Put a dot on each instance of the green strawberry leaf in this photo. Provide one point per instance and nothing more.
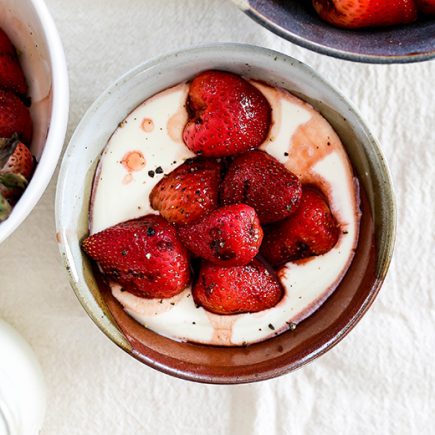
(13, 181)
(5, 208)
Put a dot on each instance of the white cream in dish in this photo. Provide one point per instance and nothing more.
(148, 144)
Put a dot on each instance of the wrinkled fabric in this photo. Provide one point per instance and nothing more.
(378, 380)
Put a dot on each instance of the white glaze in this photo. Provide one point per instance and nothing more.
(120, 195)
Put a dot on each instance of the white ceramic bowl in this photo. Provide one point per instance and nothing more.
(31, 28)
(206, 363)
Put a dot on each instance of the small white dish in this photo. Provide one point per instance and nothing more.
(31, 28)
(22, 387)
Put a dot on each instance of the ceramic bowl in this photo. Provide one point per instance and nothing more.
(283, 353)
(29, 25)
(296, 21)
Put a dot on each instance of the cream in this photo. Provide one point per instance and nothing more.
(150, 138)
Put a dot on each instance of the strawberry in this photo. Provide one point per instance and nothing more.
(143, 255)
(257, 179)
(354, 14)
(426, 6)
(6, 46)
(14, 117)
(232, 290)
(228, 236)
(188, 192)
(312, 230)
(11, 75)
(228, 115)
(18, 160)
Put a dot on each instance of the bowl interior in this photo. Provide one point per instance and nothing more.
(297, 22)
(33, 33)
(289, 350)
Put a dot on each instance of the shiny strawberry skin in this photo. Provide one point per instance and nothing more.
(354, 14)
(312, 230)
(257, 179)
(228, 115)
(233, 290)
(14, 117)
(6, 46)
(143, 255)
(11, 75)
(228, 236)
(426, 6)
(188, 192)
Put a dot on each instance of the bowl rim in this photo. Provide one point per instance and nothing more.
(58, 125)
(118, 337)
(250, 11)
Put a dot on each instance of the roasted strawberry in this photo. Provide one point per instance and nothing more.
(312, 230)
(143, 255)
(232, 290)
(188, 192)
(257, 179)
(228, 115)
(228, 236)
(6, 46)
(18, 161)
(14, 117)
(11, 75)
(354, 14)
(426, 6)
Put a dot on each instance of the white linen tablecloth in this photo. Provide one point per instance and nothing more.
(379, 380)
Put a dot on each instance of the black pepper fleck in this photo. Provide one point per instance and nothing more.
(159, 170)
(151, 174)
(271, 326)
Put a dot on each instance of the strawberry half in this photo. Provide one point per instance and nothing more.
(257, 179)
(232, 290)
(6, 46)
(11, 75)
(188, 192)
(228, 115)
(228, 236)
(426, 6)
(143, 255)
(354, 14)
(18, 161)
(14, 117)
(312, 230)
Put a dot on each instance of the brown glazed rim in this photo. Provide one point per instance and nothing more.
(177, 368)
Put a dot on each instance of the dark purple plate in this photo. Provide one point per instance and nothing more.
(296, 21)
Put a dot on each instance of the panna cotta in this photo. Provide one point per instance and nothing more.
(148, 144)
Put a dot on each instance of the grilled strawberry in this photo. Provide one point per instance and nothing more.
(143, 255)
(6, 46)
(18, 161)
(257, 179)
(11, 75)
(14, 117)
(228, 115)
(228, 236)
(312, 230)
(231, 290)
(354, 14)
(188, 192)
(426, 6)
